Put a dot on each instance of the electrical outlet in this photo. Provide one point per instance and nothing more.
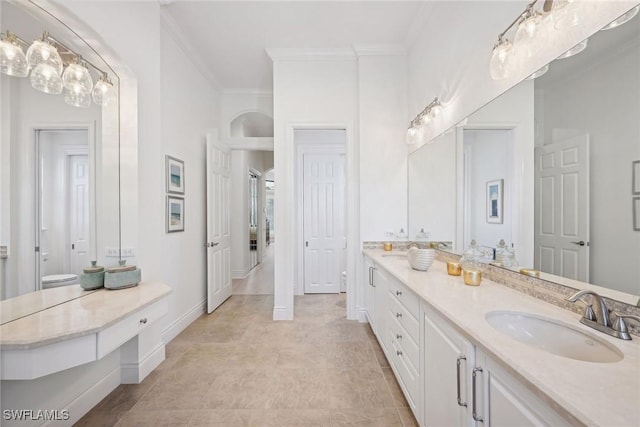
(112, 252)
(128, 252)
(389, 233)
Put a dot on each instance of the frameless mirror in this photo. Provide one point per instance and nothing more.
(60, 186)
(547, 167)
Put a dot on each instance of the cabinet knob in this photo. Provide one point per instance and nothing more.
(398, 352)
(398, 336)
(143, 320)
(398, 293)
(398, 315)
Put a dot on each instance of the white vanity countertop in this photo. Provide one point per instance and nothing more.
(606, 394)
(78, 317)
(24, 305)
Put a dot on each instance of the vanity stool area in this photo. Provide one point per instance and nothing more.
(456, 368)
(68, 357)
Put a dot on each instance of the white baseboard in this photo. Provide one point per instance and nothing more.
(90, 398)
(282, 313)
(362, 315)
(134, 373)
(179, 325)
(239, 274)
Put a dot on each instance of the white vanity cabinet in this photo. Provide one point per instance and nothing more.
(465, 387)
(369, 291)
(375, 298)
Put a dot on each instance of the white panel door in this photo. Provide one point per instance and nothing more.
(562, 204)
(324, 230)
(218, 225)
(79, 213)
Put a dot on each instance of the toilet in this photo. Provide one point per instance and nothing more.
(56, 280)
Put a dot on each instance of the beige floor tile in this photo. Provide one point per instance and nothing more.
(100, 419)
(408, 420)
(224, 418)
(380, 356)
(372, 417)
(240, 389)
(299, 389)
(155, 418)
(359, 388)
(346, 354)
(297, 418)
(394, 388)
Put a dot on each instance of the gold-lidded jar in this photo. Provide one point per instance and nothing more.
(530, 272)
(472, 277)
(387, 246)
(454, 268)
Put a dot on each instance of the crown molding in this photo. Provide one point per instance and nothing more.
(380, 49)
(313, 54)
(247, 91)
(173, 28)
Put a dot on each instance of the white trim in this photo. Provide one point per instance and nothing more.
(239, 274)
(362, 315)
(181, 323)
(283, 313)
(311, 54)
(251, 144)
(380, 50)
(248, 91)
(82, 404)
(174, 30)
(134, 373)
(302, 148)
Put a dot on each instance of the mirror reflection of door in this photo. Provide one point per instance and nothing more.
(253, 219)
(63, 234)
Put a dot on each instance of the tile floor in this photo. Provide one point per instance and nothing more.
(259, 281)
(237, 367)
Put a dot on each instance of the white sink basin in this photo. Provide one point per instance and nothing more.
(403, 255)
(553, 337)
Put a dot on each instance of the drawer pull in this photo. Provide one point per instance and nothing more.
(398, 352)
(143, 321)
(398, 336)
(460, 358)
(398, 315)
(474, 397)
(398, 293)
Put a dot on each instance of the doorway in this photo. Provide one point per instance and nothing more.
(254, 228)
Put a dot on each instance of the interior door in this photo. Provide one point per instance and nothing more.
(324, 230)
(562, 201)
(218, 225)
(79, 213)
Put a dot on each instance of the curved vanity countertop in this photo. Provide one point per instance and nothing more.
(81, 316)
(14, 308)
(585, 393)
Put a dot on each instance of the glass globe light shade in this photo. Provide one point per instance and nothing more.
(77, 79)
(13, 62)
(574, 50)
(565, 14)
(412, 135)
(425, 120)
(41, 52)
(77, 98)
(539, 73)
(103, 93)
(500, 59)
(46, 78)
(436, 110)
(524, 38)
(623, 19)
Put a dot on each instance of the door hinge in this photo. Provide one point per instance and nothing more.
(37, 248)
(306, 243)
(73, 246)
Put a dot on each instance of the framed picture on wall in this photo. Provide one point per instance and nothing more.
(494, 201)
(175, 214)
(636, 213)
(635, 178)
(175, 175)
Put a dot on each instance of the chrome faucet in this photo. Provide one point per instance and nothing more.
(601, 319)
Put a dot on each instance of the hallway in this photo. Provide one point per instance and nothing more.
(237, 367)
(259, 281)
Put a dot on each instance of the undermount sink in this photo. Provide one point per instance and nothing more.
(404, 255)
(553, 337)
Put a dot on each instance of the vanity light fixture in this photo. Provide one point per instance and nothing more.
(55, 67)
(430, 112)
(565, 14)
(623, 19)
(539, 73)
(574, 50)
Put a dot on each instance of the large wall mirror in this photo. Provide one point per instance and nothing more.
(60, 172)
(548, 168)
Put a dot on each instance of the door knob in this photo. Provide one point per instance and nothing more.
(580, 243)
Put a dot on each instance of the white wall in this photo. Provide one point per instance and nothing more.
(603, 100)
(307, 93)
(457, 70)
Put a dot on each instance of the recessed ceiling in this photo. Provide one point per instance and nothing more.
(230, 37)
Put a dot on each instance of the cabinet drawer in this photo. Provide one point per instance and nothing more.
(405, 318)
(121, 332)
(406, 375)
(408, 346)
(406, 297)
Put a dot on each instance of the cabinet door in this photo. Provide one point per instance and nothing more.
(508, 402)
(369, 291)
(380, 283)
(448, 360)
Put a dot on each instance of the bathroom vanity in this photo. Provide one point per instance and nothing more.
(112, 335)
(456, 368)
